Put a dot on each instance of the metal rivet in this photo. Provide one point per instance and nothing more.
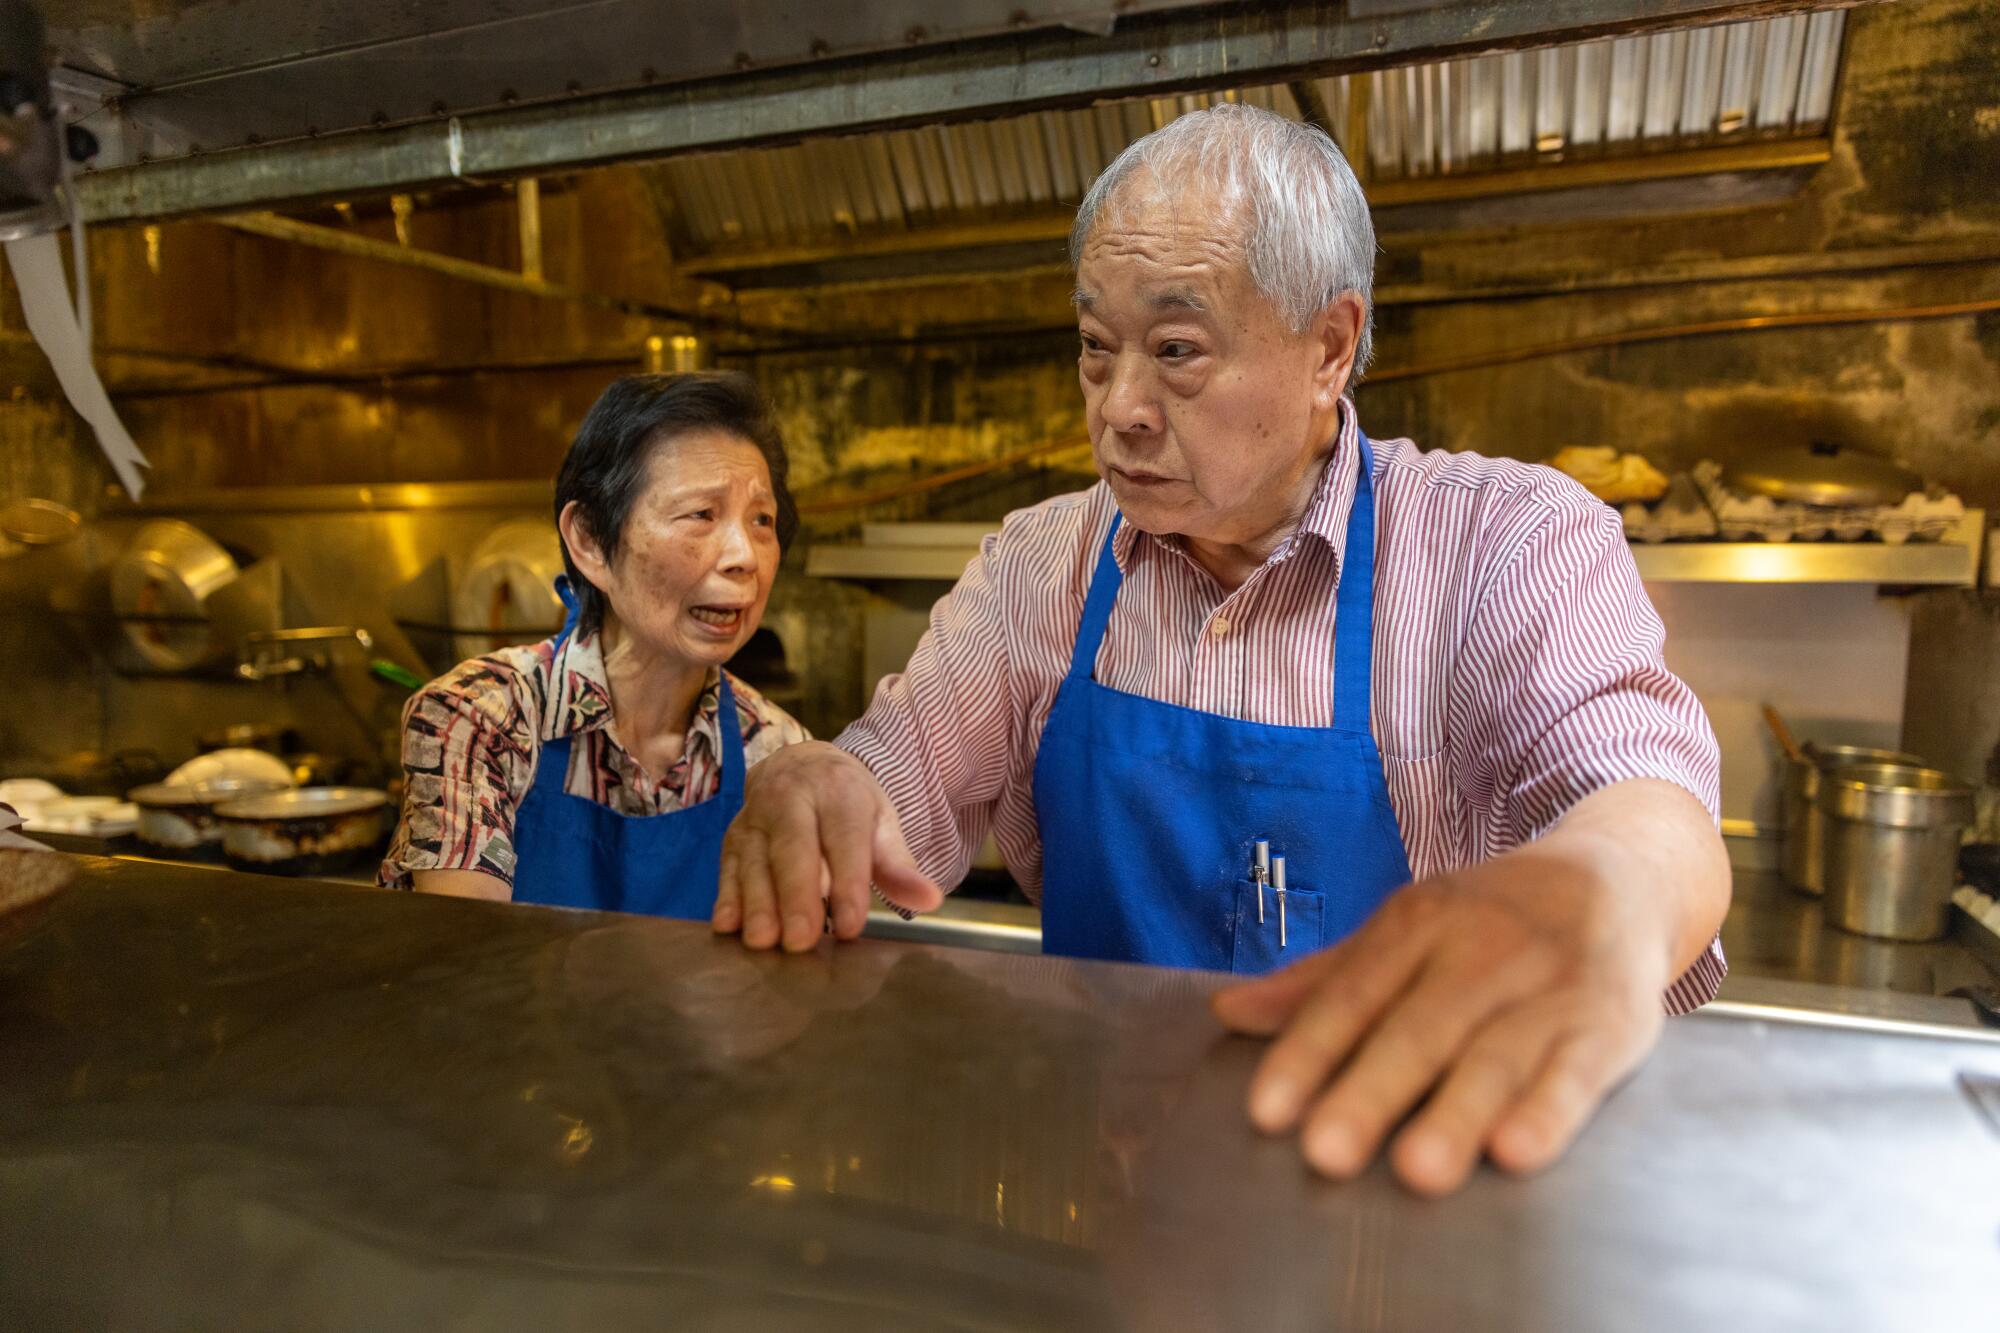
(438, 107)
(573, 87)
(743, 60)
(1153, 61)
(915, 34)
(1019, 18)
(379, 119)
(818, 47)
(509, 96)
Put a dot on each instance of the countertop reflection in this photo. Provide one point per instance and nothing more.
(1778, 933)
(227, 1101)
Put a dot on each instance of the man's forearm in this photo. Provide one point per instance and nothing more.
(1655, 844)
(889, 744)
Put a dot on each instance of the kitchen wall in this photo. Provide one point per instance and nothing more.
(294, 365)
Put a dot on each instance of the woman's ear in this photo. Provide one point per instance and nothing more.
(582, 545)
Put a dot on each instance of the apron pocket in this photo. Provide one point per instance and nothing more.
(1254, 948)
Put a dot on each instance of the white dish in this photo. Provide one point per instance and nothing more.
(86, 816)
(236, 764)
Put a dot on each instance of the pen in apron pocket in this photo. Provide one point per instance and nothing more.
(1278, 882)
(1260, 874)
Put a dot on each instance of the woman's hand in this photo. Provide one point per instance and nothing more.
(815, 832)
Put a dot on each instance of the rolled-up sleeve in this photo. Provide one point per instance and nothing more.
(1570, 692)
(466, 764)
(941, 735)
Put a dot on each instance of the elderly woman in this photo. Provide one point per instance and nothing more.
(601, 767)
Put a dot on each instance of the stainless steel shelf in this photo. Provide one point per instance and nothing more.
(941, 551)
(1952, 563)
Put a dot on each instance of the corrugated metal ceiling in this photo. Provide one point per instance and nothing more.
(1698, 86)
(1691, 88)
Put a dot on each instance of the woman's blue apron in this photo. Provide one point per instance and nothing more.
(572, 852)
(1149, 811)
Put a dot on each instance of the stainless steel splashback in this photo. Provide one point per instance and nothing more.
(381, 559)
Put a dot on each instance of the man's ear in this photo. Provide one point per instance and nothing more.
(1337, 332)
(582, 545)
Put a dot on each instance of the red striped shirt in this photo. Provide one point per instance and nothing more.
(1517, 661)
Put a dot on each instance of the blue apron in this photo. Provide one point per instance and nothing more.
(1149, 811)
(572, 852)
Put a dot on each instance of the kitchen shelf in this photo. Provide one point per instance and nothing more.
(1952, 563)
(940, 551)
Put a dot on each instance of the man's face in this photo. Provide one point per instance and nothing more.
(1207, 412)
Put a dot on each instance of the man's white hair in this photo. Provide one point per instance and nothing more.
(1308, 235)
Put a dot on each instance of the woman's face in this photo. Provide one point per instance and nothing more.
(700, 549)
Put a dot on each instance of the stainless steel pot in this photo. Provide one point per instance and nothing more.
(1892, 836)
(160, 585)
(311, 831)
(181, 817)
(1803, 852)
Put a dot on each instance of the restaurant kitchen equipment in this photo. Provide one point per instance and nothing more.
(1892, 835)
(181, 817)
(1804, 824)
(330, 1108)
(160, 586)
(307, 831)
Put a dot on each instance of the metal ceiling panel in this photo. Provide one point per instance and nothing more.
(938, 175)
(1437, 118)
(1693, 87)
(220, 73)
(1430, 118)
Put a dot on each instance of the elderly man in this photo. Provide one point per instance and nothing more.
(1430, 682)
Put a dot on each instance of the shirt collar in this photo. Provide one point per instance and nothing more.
(1326, 514)
(579, 695)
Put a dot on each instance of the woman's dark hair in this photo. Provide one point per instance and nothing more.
(606, 467)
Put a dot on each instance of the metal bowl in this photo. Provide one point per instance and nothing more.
(310, 831)
(160, 585)
(181, 817)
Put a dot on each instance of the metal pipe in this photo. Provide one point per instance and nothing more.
(1312, 107)
(937, 479)
(1664, 333)
(528, 204)
(465, 270)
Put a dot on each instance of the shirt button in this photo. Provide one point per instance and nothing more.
(1219, 626)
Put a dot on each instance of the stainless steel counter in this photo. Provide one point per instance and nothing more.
(228, 1102)
(1774, 933)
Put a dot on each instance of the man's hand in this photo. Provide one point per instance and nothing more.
(816, 830)
(1507, 998)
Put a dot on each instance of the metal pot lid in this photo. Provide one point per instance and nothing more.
(39, 522)
(305, 803)
(1852, 756)
(1823, 474)
(183, 795)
